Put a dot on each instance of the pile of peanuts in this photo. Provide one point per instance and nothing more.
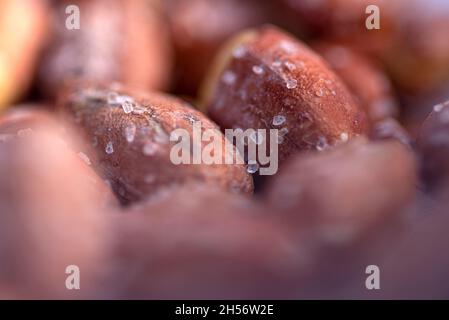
(86, 176)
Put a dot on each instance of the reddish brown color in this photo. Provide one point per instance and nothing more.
(270, 73)
(51, 216)
(366, 80)
(344, 192)
(139, 164)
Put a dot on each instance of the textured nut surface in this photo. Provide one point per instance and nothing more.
(265, 75)
(51, 216)
(133, 147)
(369, 84)
(411, 40)
(118, 40)
(345, 191)
(179, 249)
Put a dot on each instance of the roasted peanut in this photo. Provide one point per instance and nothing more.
(132, 135)
(118, 40)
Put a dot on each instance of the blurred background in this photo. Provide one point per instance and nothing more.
(397, 73)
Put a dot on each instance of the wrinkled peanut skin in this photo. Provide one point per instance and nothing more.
(133, 173)
(294, 82)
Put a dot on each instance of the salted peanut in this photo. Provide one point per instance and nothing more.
(51, 218)
(117, 40)
(370, 86)
(23, 26)
(434, 148)
(266, 79)
(343, 193)
(199, 27)
(137, 140)
(176, 246)
(390, 128)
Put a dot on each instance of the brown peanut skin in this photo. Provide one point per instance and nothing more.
(433, 147)
(23, 31)
(196, 39)
(133, 173)
(180, 249)
(344, 192)
(315, 102)
(118, 40)
(369, 84)
(51, 216)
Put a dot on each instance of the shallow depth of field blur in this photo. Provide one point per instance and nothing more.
(398, 74)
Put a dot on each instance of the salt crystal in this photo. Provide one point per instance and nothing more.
(277, 63)
(283, 132)
(438, 107)
(109, 148)
(128, 107)
(130, 132)
(252, 168)
(287, 46)
(291, 83)
(229, 77)
(344, 137)
(278, 120)
(319, 92)
(321, 144)
(85, 158)
(239, 52)
(290, 65)
(112, 98)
